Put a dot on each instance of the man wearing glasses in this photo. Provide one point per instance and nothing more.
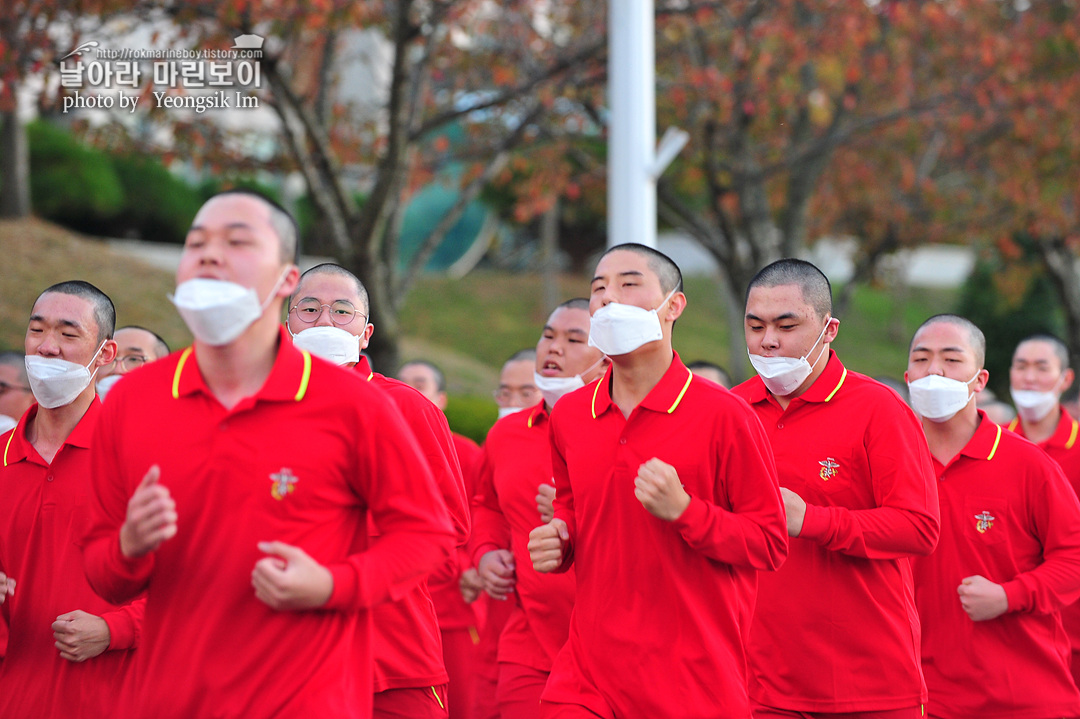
(15, 394)
(328, 316)
(136, 346)
(517, 390)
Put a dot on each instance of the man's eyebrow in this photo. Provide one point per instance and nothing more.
(627, 273)
(237, 225)
(784, 316)
(920, 348)
(74, 324)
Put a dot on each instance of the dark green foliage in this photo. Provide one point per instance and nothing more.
(70, 183)
(1009, 299)
(471, 416)
(158, 206)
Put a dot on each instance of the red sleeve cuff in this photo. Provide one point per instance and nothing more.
(122, 631)
(694, 514)
(1018, 594)
(815, 524)
(483, 549)
(344, 596)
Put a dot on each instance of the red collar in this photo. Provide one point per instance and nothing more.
(664, 397)
(18, 447)
(984, 443)
(288, 378)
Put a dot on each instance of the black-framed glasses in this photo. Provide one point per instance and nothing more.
(342, 312)
(5, 388)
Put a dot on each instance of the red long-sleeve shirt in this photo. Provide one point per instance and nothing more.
(517, 460)
(450, 607)
(663, 608)
(1009, 515)
(407, 643)
(836, 628)
(1064, 448)
(303, 461)
(43, 515)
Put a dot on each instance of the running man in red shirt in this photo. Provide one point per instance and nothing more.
(456, 594)
(1009, 555)
(1039, 375)
(329, 317)
(517, 464)
(835, 630)
(68, 651)
(666, 505)
(234, 481)
(515, 393)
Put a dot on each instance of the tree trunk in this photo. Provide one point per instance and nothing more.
(734, 310)
(15, 168)
(1060, 264)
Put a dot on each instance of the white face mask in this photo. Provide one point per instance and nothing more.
(333, 344)
(106, 384)
(783, 375)
(217, 311)
(7, 423)
(938, 398)
(56, 382)
(618, 329)
(507, 411)
(1033, 405)
(554, 388)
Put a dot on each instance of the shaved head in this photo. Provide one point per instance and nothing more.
(976, 338)
(665, 269)
(816, 290)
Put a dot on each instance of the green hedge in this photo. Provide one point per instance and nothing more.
(70, 183)
(471, 416)
(158, 205)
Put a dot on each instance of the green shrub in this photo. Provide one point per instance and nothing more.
(1009, 299)
(70, 183)
(158, 205)
(471, 416)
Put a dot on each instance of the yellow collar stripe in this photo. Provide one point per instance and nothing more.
(1072, 435)
(689, 379)
(838, 385)
(993, 450)
(598, 383)
(6, 448)
(307, 376)
(1016, 421)
(178, 372)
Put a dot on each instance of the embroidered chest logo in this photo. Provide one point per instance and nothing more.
(828, 468)
(986, 522)
(283, 482)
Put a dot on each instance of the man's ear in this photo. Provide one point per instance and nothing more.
(675, 306)
(107, 353)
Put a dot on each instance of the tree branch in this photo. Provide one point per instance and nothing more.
(594, 51)
(468, 194)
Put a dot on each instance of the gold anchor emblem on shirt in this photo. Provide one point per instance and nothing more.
(283, 482)
(828, 468)
(986, 521)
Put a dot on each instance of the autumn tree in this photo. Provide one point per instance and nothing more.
(863, 119)
(34, 36)
(463, 84)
